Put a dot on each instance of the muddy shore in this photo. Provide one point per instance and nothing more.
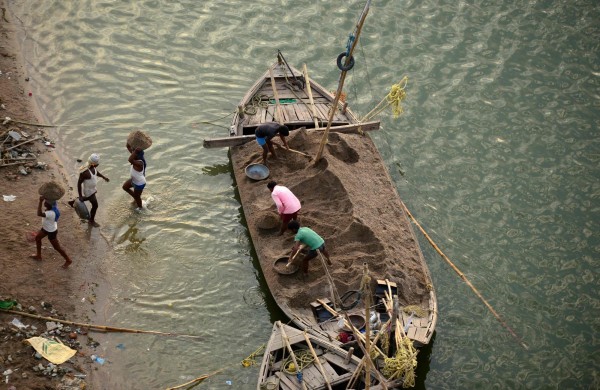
(40, 288)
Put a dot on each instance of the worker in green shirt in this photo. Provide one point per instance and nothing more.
(309, 238)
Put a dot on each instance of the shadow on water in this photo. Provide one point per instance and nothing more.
(274, 311)
(423, 364)
(218, 169)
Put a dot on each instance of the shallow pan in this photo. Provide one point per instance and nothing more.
(257, 171)
(280, 268)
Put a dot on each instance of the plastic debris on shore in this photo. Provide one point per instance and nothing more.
(51, 350)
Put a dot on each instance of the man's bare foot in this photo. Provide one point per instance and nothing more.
(94, 223)
(36, 257)
(66, 264)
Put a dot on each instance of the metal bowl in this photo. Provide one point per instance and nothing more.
(357, 320)
(280, 268)
(257, 171)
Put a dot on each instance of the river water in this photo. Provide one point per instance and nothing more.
(496, 154)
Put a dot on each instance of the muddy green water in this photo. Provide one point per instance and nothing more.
(497, 155)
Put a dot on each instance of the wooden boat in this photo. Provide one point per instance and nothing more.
(347, 197)
(364, 162)
(321, 364)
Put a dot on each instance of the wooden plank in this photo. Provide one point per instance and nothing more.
(227, 141)
(242, 139)
(421, 335)
(322, 110)
(286, 383)
(328, 369)
(313, 378)
(412, 331)
(290, 113)
(338, 361)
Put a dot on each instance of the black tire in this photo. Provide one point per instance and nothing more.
(351, 293)
(340, 63)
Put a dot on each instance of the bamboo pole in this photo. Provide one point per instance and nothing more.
(310, 96)
(371, 367)
(195, 381)
(292, 150)
(317, 361)
(101, 328)
(334, 294)
(367, 299)
(277, 114)
(338, 92)
(464, 278)
(286, 340)
(22, 143)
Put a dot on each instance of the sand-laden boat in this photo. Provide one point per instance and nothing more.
(347, 197)
(322, 364)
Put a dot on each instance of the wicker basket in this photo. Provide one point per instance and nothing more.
(139, 139)
(51, 191)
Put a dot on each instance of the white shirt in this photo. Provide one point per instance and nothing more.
(89, 185)
(138, 178)
(49, 223)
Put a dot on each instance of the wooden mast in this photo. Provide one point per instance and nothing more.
(338, 93)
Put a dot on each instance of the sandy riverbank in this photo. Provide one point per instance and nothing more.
(70, 292)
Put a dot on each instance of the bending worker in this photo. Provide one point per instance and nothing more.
(265, 132)
(287, 204)
(309, 238)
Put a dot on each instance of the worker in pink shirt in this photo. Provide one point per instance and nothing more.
(287, 204)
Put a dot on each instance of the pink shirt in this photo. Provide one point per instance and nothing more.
(286, 201)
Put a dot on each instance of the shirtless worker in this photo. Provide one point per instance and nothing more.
(50, 229)
(138, 176)
(287, 204)
(309, 238)
(265, 132)
(86, 186)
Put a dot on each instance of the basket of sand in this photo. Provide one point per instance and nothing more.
(139, 139)
(51, 191)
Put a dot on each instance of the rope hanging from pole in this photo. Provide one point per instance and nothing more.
(394, 98)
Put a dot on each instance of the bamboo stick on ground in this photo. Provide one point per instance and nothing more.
(102, 328)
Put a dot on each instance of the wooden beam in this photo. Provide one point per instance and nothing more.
(226, 142)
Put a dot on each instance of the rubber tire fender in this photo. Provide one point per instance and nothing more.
(340, 64)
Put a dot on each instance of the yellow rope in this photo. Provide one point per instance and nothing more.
(255, 103)
(304, 359)
(251, 359)
(394, 98)
(419, 311)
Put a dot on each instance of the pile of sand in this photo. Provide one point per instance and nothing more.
(348, 199)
